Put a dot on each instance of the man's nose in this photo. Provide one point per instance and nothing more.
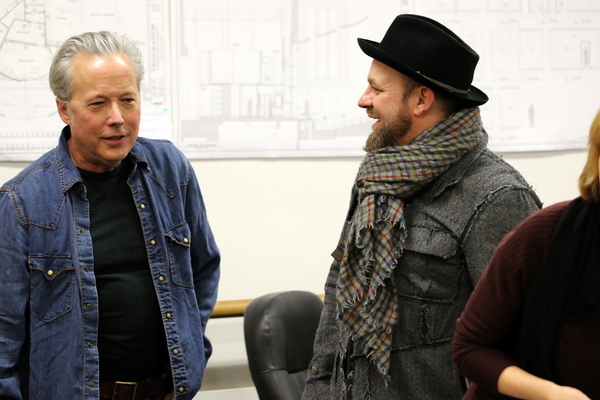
(365, 100)
(115, 116)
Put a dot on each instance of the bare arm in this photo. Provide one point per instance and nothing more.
(515, 382)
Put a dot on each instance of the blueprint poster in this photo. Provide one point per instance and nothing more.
(30, 33)
(281, 78)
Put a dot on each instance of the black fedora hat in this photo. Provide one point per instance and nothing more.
(429, 53)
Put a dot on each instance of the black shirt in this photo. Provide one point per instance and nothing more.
(131, 338)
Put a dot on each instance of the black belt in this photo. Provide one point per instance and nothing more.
(119, 390)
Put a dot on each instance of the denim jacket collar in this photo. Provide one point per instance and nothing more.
(69, 174)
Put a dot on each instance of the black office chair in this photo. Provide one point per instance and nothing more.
(279, 330)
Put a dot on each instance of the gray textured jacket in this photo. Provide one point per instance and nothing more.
(453, 227)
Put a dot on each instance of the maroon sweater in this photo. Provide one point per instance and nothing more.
(489, 332)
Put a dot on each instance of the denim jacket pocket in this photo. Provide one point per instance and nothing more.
(430, 266)
(180, 259)
(52, 286)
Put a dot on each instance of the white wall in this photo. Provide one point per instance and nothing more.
(277, 222)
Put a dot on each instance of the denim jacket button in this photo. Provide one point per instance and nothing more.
(142, 206)
(314, 370)
(153, 242)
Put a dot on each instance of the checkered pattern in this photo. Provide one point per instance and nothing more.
(366, 296)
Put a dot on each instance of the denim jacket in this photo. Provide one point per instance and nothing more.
(453, 227)
(48, 295)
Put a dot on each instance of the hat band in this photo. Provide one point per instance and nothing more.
(445, 86)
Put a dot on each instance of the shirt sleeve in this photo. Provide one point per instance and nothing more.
(206, 257)
(14, 293)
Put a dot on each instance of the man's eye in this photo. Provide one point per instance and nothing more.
(97, 103)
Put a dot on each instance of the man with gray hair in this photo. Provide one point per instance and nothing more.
(109, 268)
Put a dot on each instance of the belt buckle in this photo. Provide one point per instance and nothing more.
(117, 383)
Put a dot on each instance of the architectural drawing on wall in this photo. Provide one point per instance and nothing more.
(284, 82)
(539, 61)
(30, 33)
(281, 78)
(25, 55)
(271, 76)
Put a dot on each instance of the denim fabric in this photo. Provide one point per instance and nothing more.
(48, 296)
(453, 227)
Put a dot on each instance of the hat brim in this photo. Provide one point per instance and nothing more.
(474, 97)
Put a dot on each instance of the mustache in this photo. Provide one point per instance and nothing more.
(371, 113)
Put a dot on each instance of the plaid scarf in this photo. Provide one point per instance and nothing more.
(366, 297)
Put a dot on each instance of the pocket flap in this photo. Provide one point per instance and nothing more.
(431, 242)
(51, 267)
(180, 234)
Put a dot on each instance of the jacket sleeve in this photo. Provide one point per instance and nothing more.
(489, 322)
(492, 219)
(321, 367)
(487, 333)
(14, 293)
(206, 257)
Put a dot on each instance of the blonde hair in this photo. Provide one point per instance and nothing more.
(589, 181)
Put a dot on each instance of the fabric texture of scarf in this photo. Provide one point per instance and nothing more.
(366, 297)
(566, 288)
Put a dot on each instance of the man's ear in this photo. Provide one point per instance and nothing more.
(425, 100)
(63, 110)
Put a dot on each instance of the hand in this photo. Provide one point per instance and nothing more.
(169, 396)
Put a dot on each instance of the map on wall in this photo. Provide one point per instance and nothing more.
(281, 78)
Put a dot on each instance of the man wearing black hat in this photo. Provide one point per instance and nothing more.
(429, 205)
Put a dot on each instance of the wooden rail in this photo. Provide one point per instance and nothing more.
(230, 308)
(233, 308)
